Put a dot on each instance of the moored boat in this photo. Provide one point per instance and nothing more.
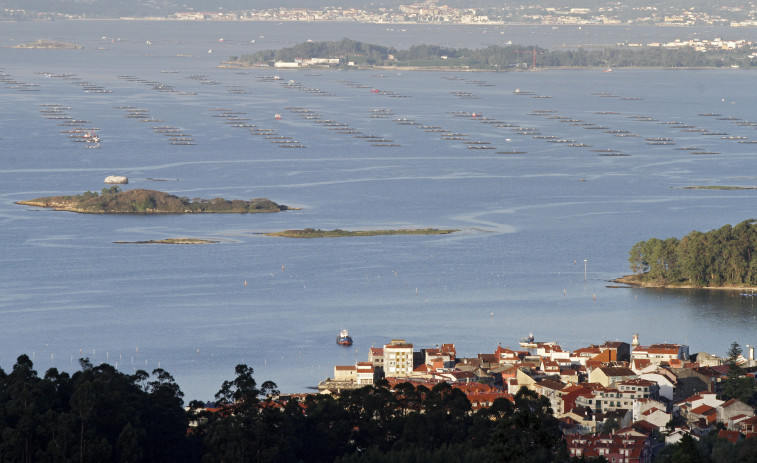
(344, 338)
(528, 341)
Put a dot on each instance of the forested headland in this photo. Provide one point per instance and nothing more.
(139, 201)
(723, 257)
(497, 57)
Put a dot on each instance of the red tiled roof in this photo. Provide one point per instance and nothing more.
(731, 436)
(704, 410)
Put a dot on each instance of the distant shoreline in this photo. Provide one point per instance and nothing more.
(633, 280)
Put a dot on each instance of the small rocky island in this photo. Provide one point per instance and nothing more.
(171, 241)
(47, 44)
(317, 233)
(114, 201)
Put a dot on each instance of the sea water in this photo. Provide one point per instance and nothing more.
(544, 226)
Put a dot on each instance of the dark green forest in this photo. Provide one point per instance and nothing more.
(726, 256)
(99, 414)
(496, 57)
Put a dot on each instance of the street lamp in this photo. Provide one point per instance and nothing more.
(584, 269)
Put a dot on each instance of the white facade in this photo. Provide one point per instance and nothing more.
(398, 359)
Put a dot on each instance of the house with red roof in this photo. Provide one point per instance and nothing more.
(615, 448)
(608, 376)
(730, 436)
(568, 396)
(733, 408)
(549, 366)
(570, 375)
(376, 357)
(449, 351)
(642, 365)
(694, 401)
(656, 417)
(507, 355)
(702, 418)
(749, 426)
(659, 353)
(584, 354)
(364, 373)
(642, 405)
(640, 428)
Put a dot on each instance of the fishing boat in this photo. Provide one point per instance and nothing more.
(277, 116)
(344, 338)
(528, 341)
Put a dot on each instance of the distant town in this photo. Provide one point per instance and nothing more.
(643, 394)
(433, 12)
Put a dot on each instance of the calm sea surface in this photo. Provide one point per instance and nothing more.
(544, 225)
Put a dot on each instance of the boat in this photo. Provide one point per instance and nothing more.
(344, 338)
(528, 341)
(277, 116)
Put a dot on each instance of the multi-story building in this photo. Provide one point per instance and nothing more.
(398, 358)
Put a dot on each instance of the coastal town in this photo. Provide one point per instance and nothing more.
(618, 400)
(432, 12)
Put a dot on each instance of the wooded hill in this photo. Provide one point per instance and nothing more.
(726, 256)
(496, 57)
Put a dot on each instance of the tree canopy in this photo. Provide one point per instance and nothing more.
(499, 57)
(722, 257)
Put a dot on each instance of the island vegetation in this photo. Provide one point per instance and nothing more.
(318, 233)
(494, 57)
(139, 201)
(724, 257)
